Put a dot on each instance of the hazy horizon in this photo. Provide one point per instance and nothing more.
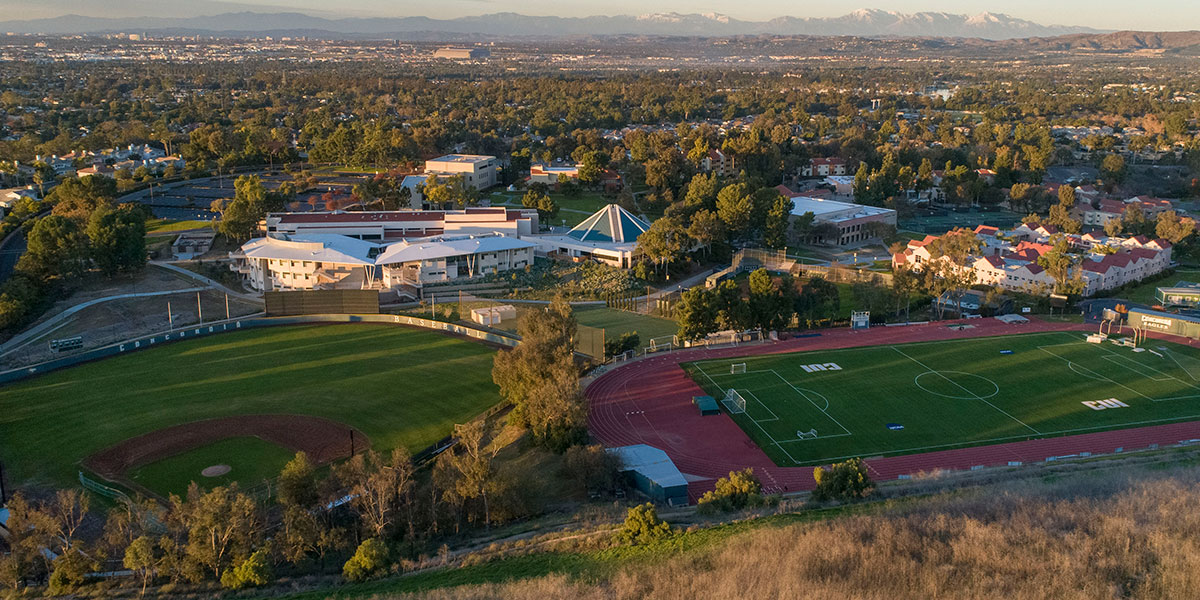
(1157, 15)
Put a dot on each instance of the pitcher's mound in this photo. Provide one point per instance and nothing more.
(215, 470)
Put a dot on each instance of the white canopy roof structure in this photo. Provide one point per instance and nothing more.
(340, 249)
(325, 248)
(432, 248)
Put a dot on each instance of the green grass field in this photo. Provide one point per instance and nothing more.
(951, 394)
(170, 225)
(615, 322)
(401, 387)
(251, 459)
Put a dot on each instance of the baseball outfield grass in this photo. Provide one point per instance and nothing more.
(401, 387)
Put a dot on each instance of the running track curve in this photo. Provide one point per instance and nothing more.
(650, 402)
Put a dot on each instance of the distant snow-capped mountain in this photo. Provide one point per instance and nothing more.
(865, 22)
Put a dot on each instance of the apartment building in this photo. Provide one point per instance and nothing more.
(1105, 262)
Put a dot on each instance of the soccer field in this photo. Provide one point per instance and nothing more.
(814, 407)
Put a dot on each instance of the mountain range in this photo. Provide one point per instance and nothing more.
(866, 22)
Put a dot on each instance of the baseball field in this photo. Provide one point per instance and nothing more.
(247, 400)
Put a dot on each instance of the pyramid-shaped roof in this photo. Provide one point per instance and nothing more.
(610, 224)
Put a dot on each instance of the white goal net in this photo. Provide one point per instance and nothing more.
(734, 402)
(736, 368)
(662, 343)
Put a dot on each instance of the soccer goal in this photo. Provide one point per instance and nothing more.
(811, 434)
(734, 402)
(661, 343)
(736, 368)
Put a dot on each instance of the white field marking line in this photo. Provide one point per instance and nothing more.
(1108, 356)
(998, 409)
(774, 417)
(753, 357)
(1090, 374)
(917, 382)
(1124, 361)
(768, 435)
(1179, 364)
(1192, 397)
(819, 437)
(808, 391)
(1168, 375)
(736, 374)
(989, 441)
(810, 401)
(1072, 365)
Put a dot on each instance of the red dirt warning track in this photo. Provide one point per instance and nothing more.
(650, 402)
(323, 440)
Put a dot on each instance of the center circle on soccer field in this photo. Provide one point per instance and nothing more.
(957, 385)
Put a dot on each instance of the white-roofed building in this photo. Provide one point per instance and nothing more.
(315, 261)
(609, 236)
(391, 225)
(419, 262)
(331, 261)
(850, 219)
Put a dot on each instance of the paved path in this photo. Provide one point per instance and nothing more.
(211, 282)
(32, 333)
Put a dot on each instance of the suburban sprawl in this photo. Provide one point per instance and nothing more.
(601, 307)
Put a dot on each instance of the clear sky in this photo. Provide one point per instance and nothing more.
(1158, 15)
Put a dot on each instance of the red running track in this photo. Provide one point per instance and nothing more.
(650, 402)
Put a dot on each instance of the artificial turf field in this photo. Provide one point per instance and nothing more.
(399, 386)
(909, 398)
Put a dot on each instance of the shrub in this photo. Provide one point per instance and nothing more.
(369, 560)
(643, 526)
(741, 489)
(70, 568)
(843, 481)
(252, 572)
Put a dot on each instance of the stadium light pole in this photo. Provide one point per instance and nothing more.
(199, 309)
(170, 319)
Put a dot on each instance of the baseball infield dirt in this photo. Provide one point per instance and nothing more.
(323, 440)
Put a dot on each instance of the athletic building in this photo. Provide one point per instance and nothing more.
(608, 236)
(1153, 320)
(653, 473)
(330, 261)
(392, 225)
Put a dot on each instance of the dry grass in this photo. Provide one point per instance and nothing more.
(1088, 537)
